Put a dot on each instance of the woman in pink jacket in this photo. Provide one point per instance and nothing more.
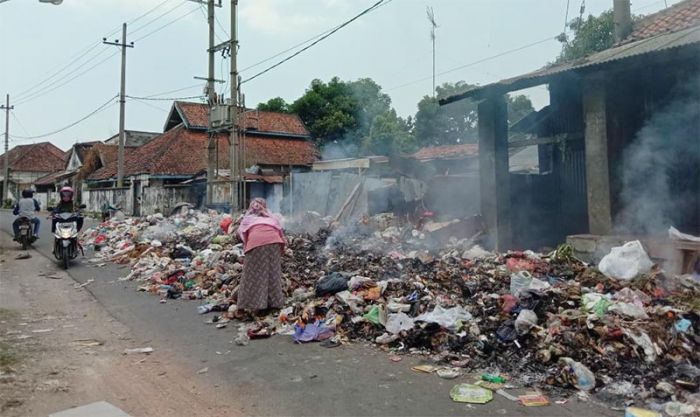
(263, 243)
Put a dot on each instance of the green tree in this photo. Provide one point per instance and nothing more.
(457, 122)
(519, 106)
(590, 35)
(388, 135)
(341, 112)
(276, 104)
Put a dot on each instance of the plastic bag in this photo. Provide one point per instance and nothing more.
(331, 284)
(468, 393)
(527, 319)
(644, 341)
(524, 281)
(629, 310)
(625, 262)
(577, 374)
(594, 302)
(376, 315)
(446, 317)
(398, 322)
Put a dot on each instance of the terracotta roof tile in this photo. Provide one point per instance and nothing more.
(197, 115)
(182, 152)
(38, 157)
(447, 151)
(680, 16)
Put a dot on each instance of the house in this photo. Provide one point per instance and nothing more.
(28, 163)
(160, 173)
(50, 184)
(623, 129)
(133, 138)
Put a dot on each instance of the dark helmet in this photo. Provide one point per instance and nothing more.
(28, 193)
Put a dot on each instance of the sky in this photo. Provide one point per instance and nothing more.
(57, 71)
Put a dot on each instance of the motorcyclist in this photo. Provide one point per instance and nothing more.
(66, 205)
(26, 207)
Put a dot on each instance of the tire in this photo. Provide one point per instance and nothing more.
(64, 258)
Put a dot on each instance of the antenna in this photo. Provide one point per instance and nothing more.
(433, 26)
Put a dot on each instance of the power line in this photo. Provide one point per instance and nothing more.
(107, 104)
(166, 98)
(77, 57)
(171, 91)
(44, 92)
(138, 28)
(148, 104)
(471, 64)
(364, 12)
(14, 116)
(166, 25)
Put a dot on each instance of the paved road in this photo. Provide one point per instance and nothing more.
(277, 377)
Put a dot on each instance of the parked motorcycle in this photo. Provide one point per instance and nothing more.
(26, 232)
(66, 244)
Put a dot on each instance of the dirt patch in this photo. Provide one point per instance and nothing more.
(60, 349)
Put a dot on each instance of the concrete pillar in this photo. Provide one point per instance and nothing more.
(494, 172)
(597, 168)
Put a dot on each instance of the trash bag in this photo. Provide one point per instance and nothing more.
(448, 318)
(181, 252)
(577, 374)
(527, 319)
(331, 284)
(376, 315)
(398, 322)
(625, 262)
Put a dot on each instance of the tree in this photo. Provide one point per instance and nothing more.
(457, 122)
(276, 104)
(389, 134)
(341, 112)
(593, 34)
(518, 107)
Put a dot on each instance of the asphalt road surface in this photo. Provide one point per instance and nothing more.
(277, 377)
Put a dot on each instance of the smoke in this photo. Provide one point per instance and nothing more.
(660, 177)
(339, 150)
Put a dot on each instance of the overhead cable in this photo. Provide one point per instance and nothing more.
(337, 28)
(107, 104)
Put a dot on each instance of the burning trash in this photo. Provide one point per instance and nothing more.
(547, 320)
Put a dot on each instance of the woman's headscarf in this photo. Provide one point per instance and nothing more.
(257, 214)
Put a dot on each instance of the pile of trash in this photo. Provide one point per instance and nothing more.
(623, 332)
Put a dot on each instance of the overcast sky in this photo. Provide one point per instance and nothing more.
(390, 45)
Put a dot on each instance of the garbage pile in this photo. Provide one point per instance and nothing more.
(623, 332)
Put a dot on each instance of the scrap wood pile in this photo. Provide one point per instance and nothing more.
(627, 333)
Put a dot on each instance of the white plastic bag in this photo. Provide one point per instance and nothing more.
(446, 317)
(527, 319)
(625, 262)
(395, 323)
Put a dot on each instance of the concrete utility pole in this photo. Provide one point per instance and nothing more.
(233, 140)
(122, 101)
(211, 95)
(433, 26)
(6, 174)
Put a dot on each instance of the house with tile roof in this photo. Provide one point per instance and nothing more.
(274, 144)
(623, 129)
(28, 163)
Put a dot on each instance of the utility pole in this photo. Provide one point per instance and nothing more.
(433, 26)
(6, 174)
(233, 140)
(211, 95)
(122, 102)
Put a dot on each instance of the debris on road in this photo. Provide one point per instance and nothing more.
(23, 255)
(546, 320)
(145, 350)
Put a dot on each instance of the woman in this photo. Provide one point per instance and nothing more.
(263, 245)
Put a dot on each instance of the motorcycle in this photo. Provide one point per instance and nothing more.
(26, 232)
(66, 244)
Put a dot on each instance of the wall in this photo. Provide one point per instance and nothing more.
(158, 198)
(118, 197)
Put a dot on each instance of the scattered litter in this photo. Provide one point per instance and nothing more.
(533, 400)
(448, 373)
(42, 330)
(84, 284)
(23, 255)
(145, 350)
(88, 342)
(428, 369)
(203, 371)
(468, 393)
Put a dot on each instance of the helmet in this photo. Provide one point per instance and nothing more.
(28, 193)
(66, 194)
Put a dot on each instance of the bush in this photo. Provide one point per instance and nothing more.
(7, 204)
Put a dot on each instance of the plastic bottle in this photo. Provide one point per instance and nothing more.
(493, 378)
